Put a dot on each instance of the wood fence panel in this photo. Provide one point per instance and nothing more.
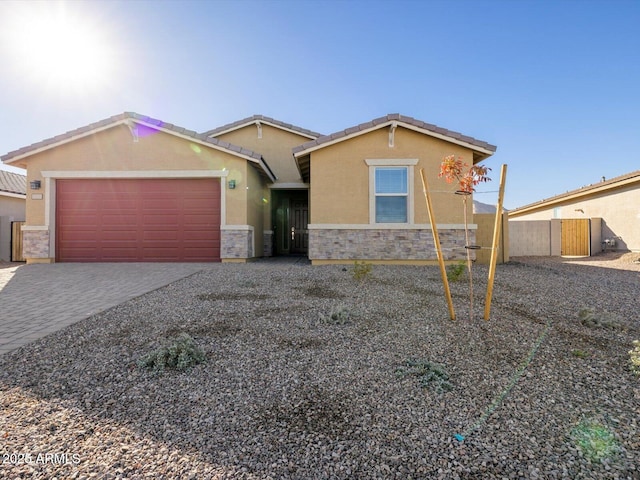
(576, 239)
(16, 242)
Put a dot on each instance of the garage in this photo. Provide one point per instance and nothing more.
(138, 220)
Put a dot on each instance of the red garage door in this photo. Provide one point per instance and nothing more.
(132, 220)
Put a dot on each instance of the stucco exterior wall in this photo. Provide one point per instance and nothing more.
(115, 151)
(342, 221)
(340, 177)
(619, 210)
(274, 146)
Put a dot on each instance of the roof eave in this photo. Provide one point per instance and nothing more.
(125, 120)
(484, 152)
(216, 133)
(612, 184)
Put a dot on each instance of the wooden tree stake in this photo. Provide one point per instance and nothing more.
(496, 242)
(436, 241)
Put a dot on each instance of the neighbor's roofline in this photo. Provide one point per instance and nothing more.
(4, 193)
(125, 119)
(264, 120)
(410, 123)
(616, 182)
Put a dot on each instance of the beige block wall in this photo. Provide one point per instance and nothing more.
(12, 209)
(530, 238)
(619, 211)
(484, 237)
(339, 191)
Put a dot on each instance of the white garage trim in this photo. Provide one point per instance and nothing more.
(50, 176)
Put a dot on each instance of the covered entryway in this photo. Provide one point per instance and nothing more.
(291, 218)
(576, 237)
(138, 220)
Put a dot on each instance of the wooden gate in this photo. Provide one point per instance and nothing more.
(576, 237)
(16, 242)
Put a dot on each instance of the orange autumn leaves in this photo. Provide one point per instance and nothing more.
(453, 168)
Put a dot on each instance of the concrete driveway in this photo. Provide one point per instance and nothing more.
(36, 300)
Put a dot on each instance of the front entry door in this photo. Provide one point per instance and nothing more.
(298, 222)
(291, 220)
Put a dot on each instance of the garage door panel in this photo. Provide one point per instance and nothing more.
(202, 235)
(79, 220)
(126, 220)
(121, 204)
(156, 235)
(162, 220)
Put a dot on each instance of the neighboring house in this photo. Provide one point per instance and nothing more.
(608, 210)
(132, 188)
(13, 196)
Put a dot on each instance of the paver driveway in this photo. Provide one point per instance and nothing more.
(36, 300)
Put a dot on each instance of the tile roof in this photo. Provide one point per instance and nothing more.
(604, 185)
(123, 118)
(261, 118)
(13, 183)
(401, 119)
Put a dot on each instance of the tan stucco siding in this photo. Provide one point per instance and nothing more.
(114, 150)
(340, 177)
(274, 146)
(255, 193)
(619, 210)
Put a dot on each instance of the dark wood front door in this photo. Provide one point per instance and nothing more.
(291, 219)
(299, 220)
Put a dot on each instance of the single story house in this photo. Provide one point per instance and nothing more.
(13, 195)
(603, 215)
(134, 188)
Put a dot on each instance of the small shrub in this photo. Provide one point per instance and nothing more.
(429, 375)
(361, 270)
(338, 316)
(634, 357)
(589, 318)
(455, 271)
(579, 353)
(595, 440)
(182, 354)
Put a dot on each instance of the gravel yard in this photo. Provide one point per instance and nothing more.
(542, 390)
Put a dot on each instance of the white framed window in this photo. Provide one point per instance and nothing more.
(391, 191)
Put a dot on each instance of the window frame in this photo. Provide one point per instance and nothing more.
(374, 164)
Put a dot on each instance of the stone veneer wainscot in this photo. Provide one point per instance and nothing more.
(386, 244)
(236, 244)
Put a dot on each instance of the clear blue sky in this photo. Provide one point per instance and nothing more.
(554, 84)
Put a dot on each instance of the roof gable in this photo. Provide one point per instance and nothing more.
(480, 148)
(261, 119)
(604, 186)
(136, 122)
(13, 183)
